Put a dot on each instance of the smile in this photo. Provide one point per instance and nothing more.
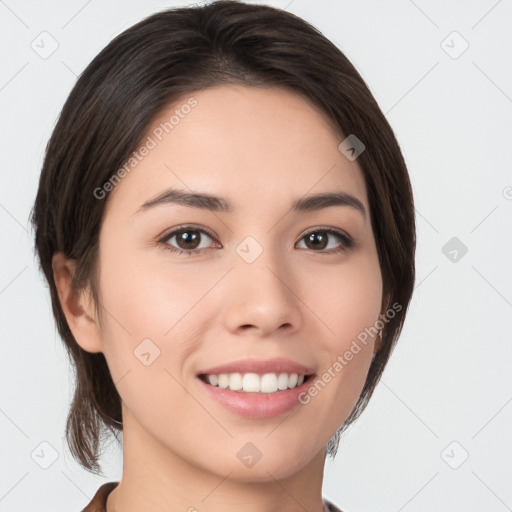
(253, 383)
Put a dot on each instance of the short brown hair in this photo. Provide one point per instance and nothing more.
(124, 89)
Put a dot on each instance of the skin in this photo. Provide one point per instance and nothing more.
(260, 149)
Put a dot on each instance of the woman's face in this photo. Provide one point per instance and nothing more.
(266, 288)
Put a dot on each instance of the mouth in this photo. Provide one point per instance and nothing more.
(268, 383)
(256, 388)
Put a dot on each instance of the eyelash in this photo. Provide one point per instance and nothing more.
(346, 241)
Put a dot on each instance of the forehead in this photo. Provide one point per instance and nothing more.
(244, 143)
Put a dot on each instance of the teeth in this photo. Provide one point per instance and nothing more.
(282, 381)
(251, 382)
(213, 379)
(223, 380)
(254, 383)
(235, 381)
(268, 383)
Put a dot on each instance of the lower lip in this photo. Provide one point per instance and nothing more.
(258, 405)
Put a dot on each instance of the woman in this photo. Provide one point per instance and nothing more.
(226, 224)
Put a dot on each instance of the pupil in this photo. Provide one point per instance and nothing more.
(189, 238)
(315, 237)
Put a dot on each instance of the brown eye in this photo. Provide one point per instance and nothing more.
(187, 240)
(321, 239)
(317, 240)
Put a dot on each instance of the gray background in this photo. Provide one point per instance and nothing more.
(436, 435)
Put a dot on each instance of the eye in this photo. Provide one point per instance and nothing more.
(318, 240)
(186, 240)
(191, 240)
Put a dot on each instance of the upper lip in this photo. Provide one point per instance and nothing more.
(259, 366)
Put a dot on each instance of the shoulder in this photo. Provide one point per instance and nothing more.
(99, 501)
(330, 507)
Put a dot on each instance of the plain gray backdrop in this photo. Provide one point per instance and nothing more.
(436, 435)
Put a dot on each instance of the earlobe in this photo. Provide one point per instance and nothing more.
(78, 307)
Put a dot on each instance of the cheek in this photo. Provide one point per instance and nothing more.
(347, 300)
(148, 332)
(349, 306)
(150, 300)
(155, 315)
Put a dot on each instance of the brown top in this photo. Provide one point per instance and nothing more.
(99, 502)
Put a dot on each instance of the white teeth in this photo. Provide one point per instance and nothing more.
(223, 380)
(235, 381)
(251, 382)
(254, 383)
(282, 381)
(269, 383)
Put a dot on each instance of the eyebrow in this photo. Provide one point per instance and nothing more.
(213, 203)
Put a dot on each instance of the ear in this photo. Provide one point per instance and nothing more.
(78, 308)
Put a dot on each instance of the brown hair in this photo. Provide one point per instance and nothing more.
(113, 103)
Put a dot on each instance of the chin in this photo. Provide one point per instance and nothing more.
(261, 461)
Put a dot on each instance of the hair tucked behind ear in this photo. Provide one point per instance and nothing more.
(158, 61)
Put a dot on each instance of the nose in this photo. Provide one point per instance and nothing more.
(262, 297)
